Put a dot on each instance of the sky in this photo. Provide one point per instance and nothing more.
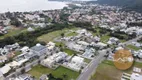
(28, 5)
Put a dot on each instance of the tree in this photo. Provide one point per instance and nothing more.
(15, 22)
(65, 76)
(62, 34)
(23, 71)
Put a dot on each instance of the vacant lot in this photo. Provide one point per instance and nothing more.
(133, 47)
(107, 71)
(38, 70)
(52, 35)
(13, 31)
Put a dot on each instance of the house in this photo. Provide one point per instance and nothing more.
(97, 39)
(30, 29)
(5, 69)
(83, 43)
(139, 53)
(76, 47)
(113, 40)
(4, 51)
(99, 45)
(136, 44)
(89, 53)
(136, 75)
(50, 46)
(139, 32)
(76, 63)
(53, 59)
(39, 49)
(118, 48)
(22, 77)
(12, 47)
(1, 76)
(3, 59)
(44, 77)
(25, 49)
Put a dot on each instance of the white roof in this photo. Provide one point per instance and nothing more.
(24, 48)
(136, 76)
(83, 43)
(77, 59)
(13, 64)
(5, 69)
(101, 44)
(22, 61)
(118, 48)
(51, 43)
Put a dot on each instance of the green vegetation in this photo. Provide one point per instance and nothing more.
(69, 52)
(105, 38)
(59, 44)
(72, 34)
(38, 70)
(87, 60)
(127, 5)
(17, 53)
(52, 35)
(110, 72)
(30, 38)
(13, 32)
(133, 47)
(64, 49)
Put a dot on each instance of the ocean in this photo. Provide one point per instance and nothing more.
(29, 5)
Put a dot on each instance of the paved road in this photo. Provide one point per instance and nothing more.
(133, 40)
(90, 69)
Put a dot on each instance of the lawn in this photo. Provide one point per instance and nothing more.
(59, 44)
(87, 60)
(64, 49)
(110, 72)
(105, 38)
(133, 47)
(17, 53)
(38, 70)
(69, 51)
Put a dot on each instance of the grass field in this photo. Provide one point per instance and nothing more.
(38, 70)
(110, 72)
(71, 34)
(13, 31)
(133, 47)
(52, 35)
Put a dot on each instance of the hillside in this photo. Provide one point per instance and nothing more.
(126, 4)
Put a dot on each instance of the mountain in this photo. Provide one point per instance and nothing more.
(126, 4)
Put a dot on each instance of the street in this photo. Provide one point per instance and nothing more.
(90, 69)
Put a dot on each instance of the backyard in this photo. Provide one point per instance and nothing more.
(38, 70)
